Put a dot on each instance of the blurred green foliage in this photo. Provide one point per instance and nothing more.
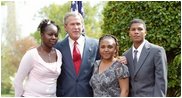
(11, 56)
(92, 18)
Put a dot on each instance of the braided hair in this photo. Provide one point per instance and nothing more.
(44, 23)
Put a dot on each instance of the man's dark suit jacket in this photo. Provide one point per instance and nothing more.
(68, 83)
(149, 78)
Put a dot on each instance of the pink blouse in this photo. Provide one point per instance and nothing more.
(40, 77)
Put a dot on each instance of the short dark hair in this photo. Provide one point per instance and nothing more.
(136, 20)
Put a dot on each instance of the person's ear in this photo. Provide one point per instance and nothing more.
(145, 33)
(129, 34)
(65, 28)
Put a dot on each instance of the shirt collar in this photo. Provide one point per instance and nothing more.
(80, 40)
(140, 47)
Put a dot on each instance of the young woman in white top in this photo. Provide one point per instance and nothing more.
(40, 66)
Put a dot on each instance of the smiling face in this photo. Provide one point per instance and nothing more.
(107, 48)
(50, 36)
(74, 26)
(137, 33)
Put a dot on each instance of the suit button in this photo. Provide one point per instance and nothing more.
(135, 80)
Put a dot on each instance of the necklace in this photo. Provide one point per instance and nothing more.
(48, 54)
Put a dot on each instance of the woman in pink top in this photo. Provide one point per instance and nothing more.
(40, 66)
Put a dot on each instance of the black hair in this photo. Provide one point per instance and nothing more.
(115, 39)
(137, 21)
(44, 23)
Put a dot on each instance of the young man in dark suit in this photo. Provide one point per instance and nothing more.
(147, 64)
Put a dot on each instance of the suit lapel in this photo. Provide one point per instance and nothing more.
(143, 56)
(86, 55)
(130, 60)
(67, 55)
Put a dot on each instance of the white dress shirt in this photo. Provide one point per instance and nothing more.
(139, 49)
(80, 45)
